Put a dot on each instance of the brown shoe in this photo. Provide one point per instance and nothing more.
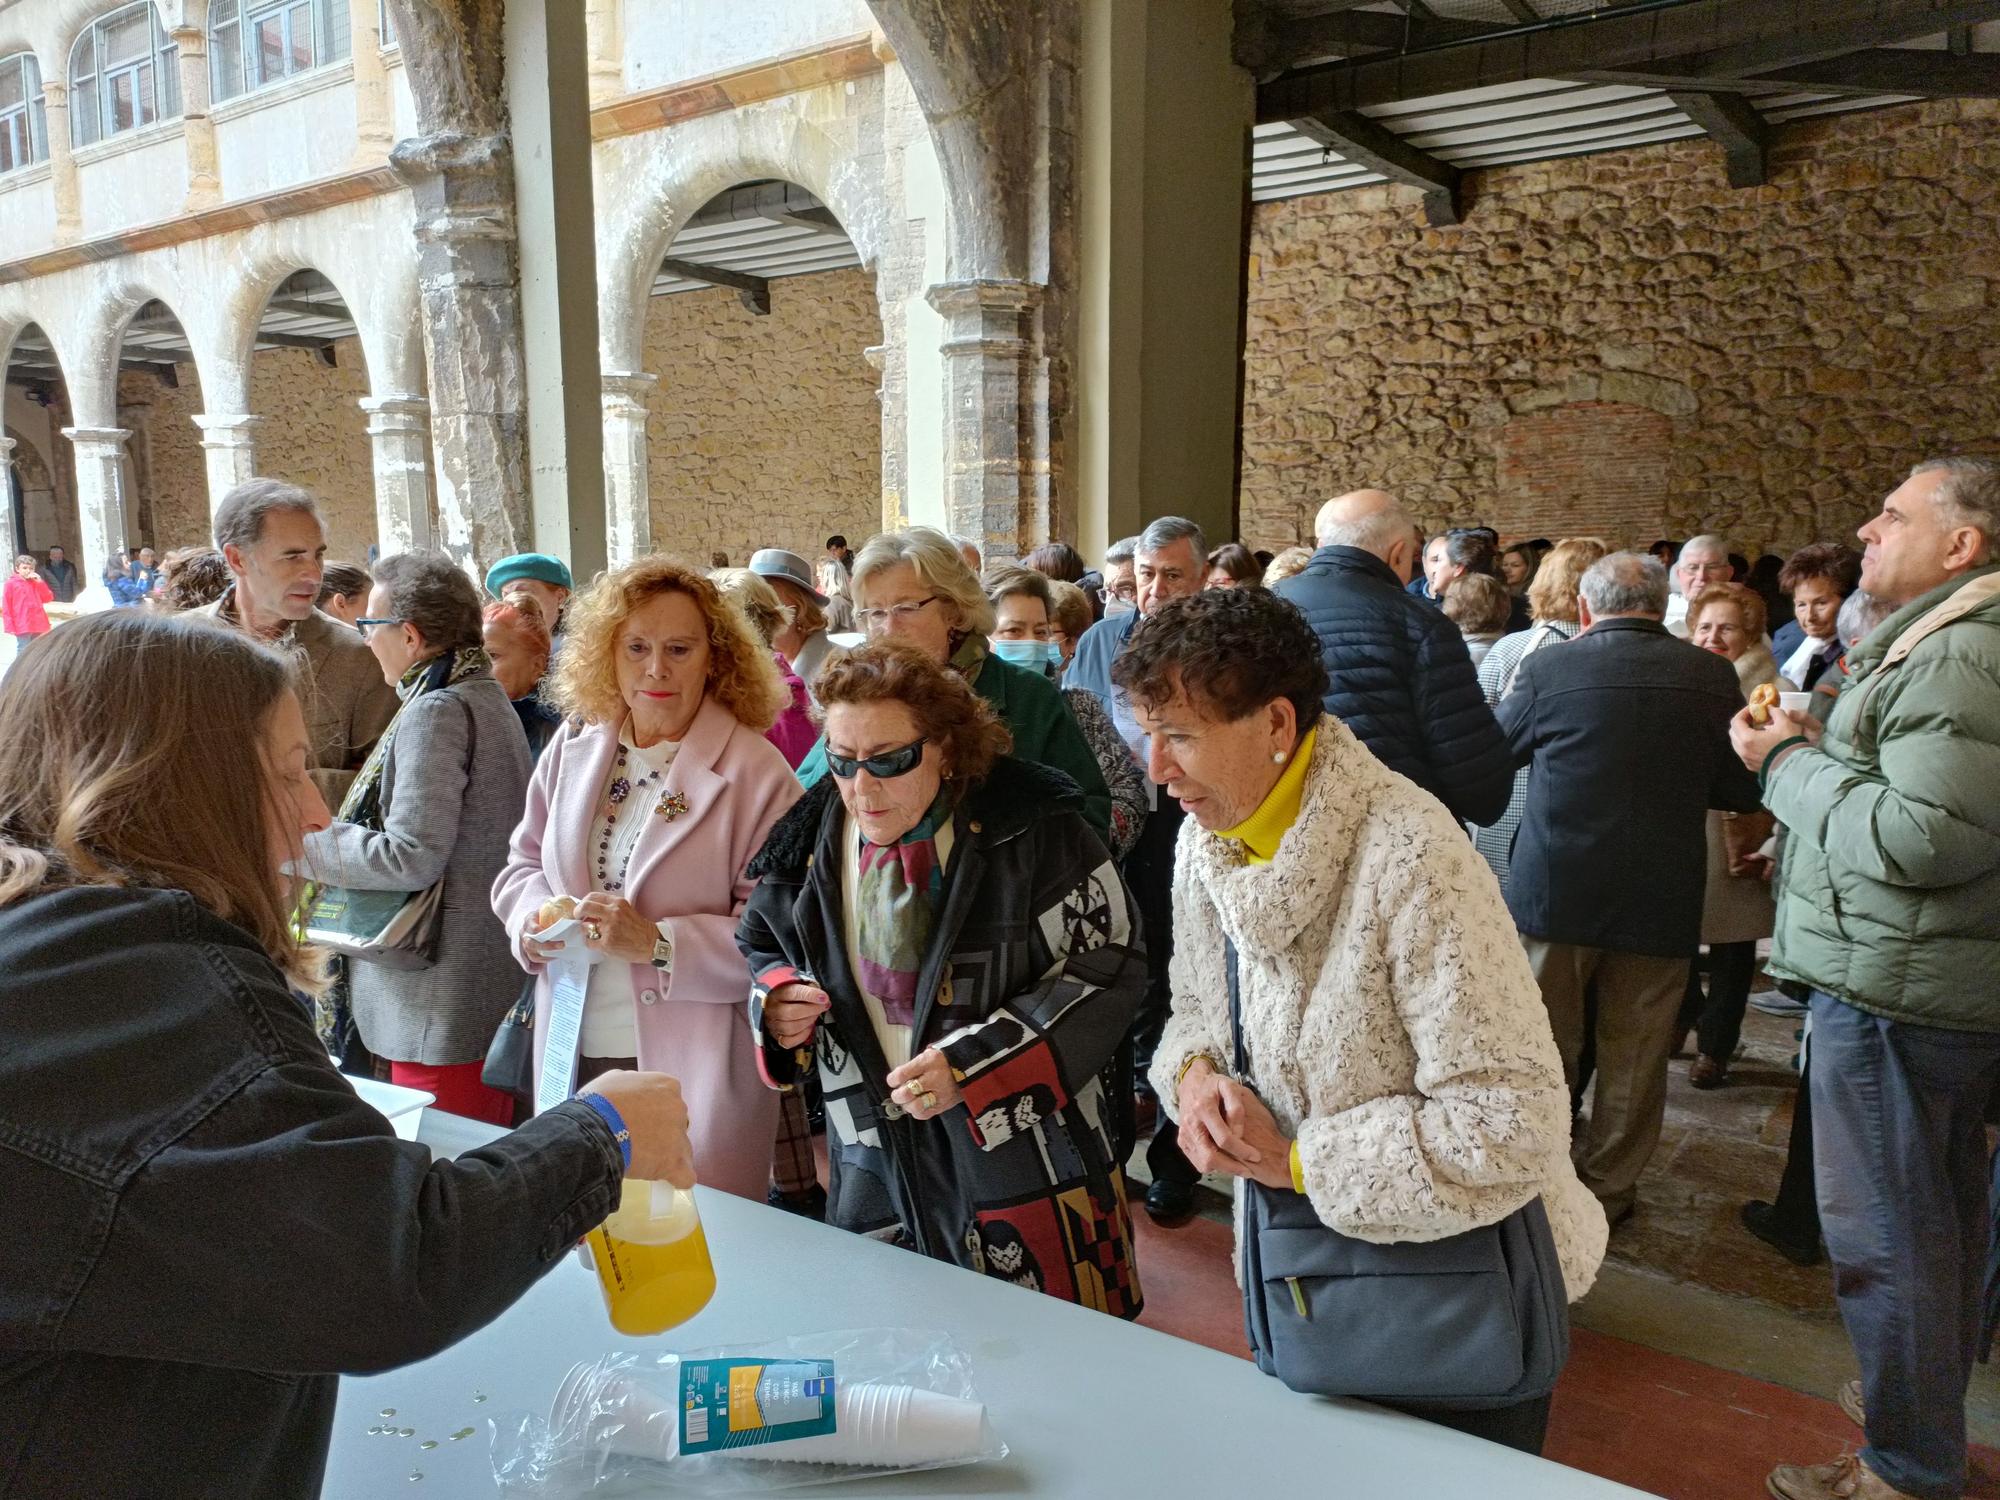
(1707, 1072)
(1846, 1478)
(1850, 1402)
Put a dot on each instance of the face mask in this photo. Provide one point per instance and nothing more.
(1036, 656)
(1114, 607)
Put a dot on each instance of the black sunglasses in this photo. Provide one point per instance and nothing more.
(883, 767)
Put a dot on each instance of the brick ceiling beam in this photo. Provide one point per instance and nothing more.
(1356, 138)
(1734, 125)
(1704, 39)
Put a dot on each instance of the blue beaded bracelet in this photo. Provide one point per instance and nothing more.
(616, 1121)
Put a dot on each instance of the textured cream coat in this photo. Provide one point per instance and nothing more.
(1392, 1022)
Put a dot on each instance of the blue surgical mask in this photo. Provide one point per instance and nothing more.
(1037, 656)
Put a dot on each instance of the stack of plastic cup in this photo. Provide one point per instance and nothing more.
(875, 1425)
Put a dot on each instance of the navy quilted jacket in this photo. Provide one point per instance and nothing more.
(1403, 682)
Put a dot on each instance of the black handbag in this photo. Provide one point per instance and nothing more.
(510, 1056)
(1480, 1319)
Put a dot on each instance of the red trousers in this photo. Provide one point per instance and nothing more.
(458, 1090)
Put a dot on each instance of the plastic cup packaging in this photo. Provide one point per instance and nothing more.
(876, 1425)
(1795, 703)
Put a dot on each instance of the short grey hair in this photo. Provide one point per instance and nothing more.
(1164, 532)
(1708, 541)
(239, 519)
(430, 593)
(1625, 583)
(1970, 494)
(1121, 551)
(934, 557)
(1860, 612)
(1374, 533)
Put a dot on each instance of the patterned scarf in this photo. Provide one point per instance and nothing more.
(895, 910)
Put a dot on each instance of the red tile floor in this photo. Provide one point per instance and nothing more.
(1659, 1423)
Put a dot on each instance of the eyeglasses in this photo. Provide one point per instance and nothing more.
(884, 767)
(902, 614)
(366, 625)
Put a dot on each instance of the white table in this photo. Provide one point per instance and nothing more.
(1090, 1406)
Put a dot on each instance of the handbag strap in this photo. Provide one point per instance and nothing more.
(1242, 1056)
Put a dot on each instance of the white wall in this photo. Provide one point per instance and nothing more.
(138, 178)
(27, 213)
(293, 133)
(671, 41)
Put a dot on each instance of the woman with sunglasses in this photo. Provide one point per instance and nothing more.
(642, 813)
(914, 587)
(939, 931)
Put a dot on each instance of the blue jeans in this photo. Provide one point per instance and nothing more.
(1899, 1144)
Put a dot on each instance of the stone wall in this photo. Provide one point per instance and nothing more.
(764, 431)
(1625, 344)
(169, 478)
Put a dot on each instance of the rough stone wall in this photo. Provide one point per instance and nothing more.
(764, 432)
(314, 434)
(1802, 343)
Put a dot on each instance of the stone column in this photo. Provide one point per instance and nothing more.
(462, 187)
(606, 20)
(229, 449)
(9, 536)
(100, 496)
(891, 365)
(399, 431)
(627, 495)
(374, 117)
(62, 165)
(989, 378)
(204, 171)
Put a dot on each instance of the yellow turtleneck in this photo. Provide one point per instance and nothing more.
(1261, 832)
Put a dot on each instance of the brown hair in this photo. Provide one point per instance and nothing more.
(1072, 614)
(1839, 565)
(1748, 601)
(806, 611)
(1228, 652)
(1552, 595)
(742, 677)
(752, 593)
(1057, 560)
(96, 790)
(1478, 603)
(1236, 560)
(191, 577)
(1004, 580)
(948, 713)
(431, 594)
(343, 580)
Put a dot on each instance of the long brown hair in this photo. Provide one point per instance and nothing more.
(131, 741)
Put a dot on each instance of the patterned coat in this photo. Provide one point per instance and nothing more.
(1031, 980)
(1393, 1025)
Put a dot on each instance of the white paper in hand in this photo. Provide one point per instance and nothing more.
(569, 978)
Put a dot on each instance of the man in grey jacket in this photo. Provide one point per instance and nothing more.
(271, 535)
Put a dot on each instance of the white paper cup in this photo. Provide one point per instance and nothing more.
(1795, 703)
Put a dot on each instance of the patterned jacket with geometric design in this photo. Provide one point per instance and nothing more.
(1031, 980)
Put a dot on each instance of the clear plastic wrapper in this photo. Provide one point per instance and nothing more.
(903, 1401)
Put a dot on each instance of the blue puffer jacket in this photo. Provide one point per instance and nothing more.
(1403, 682)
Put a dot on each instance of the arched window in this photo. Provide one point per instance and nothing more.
(253, 43)
(123, 74)
(24, 129)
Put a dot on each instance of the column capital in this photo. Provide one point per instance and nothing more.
(225, 431)
(983, 295)
(110, 437)
(629, 386)
(462, 185)
(396, 413)
(55, 93)
(7, 445)
(192, 40)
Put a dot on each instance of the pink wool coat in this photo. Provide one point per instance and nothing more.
(693, 1022)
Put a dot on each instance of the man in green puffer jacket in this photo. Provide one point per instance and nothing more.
(1889, 908)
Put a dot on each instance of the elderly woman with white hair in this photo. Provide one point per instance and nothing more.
(913, 586)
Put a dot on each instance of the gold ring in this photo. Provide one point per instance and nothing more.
(594, 932)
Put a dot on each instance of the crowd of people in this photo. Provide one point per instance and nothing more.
(1384, 875)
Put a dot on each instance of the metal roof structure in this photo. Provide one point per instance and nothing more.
(1353, 92)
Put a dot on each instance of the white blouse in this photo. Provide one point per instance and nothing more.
(610, 1016)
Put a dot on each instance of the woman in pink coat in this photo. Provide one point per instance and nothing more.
(644, 811)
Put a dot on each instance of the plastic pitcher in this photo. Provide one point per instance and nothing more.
(652, 1259)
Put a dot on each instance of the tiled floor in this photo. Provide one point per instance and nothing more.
(1670, 1426)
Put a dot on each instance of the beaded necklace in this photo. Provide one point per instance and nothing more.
(621, 788)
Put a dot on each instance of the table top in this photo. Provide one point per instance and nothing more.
(1087, 1404)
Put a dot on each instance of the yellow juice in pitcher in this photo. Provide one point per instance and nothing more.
(652, 1259)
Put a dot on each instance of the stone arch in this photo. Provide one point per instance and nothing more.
(676, 175)
(63, 22)
(46, 478)
(385, 311)
(35, 498)
(101, 338)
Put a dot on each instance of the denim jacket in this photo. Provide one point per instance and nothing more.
(204, 1225)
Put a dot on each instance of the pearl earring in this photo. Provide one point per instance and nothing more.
(1278, 759)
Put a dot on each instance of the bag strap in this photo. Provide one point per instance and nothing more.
(1242, 1057)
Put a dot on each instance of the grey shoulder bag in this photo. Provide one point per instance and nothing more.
(1477, 1320)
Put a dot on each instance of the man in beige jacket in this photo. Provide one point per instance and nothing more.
(271, 535)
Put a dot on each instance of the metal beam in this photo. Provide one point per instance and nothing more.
(1705, 39)
(1351, 33)
(1735, 126)
(1897, 70)
(297, 341)
(753, 291)
(1362, 141)
(333, 313)
(1521, 10)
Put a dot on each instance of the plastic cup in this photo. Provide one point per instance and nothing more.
(1795, 703)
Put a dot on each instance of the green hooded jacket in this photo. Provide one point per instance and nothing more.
(1890, 887)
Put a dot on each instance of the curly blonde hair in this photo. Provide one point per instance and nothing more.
(741, 674)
